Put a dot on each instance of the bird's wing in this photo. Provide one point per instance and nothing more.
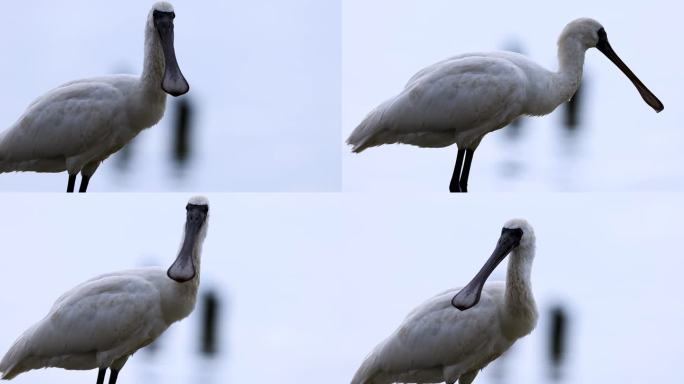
(65, 122)
(98, 316)
(145, 273)
(447, 98)
(513, 57)
(116, 80)
(460, 93)
(436, 66)
(437, 335)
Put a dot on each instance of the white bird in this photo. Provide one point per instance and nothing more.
(458, 332)
(461, 99)
(78, 125)
(100, 323)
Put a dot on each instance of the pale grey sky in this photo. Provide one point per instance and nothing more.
(624, 146)
(264, 77)
(313, 281)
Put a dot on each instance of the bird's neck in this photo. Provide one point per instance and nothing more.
(520, 304)
(181, 302)
(193, 285)
(547, 90)
(570, 65)
(180, 299)
(153, 63)
(149, 100)
(196, 259)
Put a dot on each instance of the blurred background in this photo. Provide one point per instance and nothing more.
(301, 287)
(610, 140)
(262, 114)
(266, 263)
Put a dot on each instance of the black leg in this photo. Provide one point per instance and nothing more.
(71, 184)
(113, 374)
(466, 170)
(101, 375)
(453, 185)
(84, 183)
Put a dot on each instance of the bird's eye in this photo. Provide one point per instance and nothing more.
(602, 34)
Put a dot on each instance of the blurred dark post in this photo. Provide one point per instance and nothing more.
(182, 131)
(498, 368)
(209, 330)
(571, 112)
(514, 128)
(122, 158)
(150, 261)
(153, 347)
(557, 341)
(513, 131)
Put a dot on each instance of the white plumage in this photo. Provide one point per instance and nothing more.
(461, 99)
(101, 322)
(76, 126)
(437, 342)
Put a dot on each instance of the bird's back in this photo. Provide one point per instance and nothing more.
(69, 120)
(92, 324)
(437, 339)
(454, 101)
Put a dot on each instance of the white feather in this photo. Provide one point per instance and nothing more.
(76, 126)
(439, 343)
(104, 320)
(462, 98)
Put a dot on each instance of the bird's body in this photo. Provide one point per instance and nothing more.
(461, 99)
(101, 322)
(78, 125)
(438, 342)
(88, 120)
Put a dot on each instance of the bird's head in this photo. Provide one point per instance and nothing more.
(160, 21)
(516, 233)
(196, 222)
(584, 30)
(589, 33)
(520, 232)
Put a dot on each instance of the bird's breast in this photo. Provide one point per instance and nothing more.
(178, 300)
(146, 110)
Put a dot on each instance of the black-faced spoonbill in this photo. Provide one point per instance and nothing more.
(461, 99)
(78, 125)
(458, 332)
(103, 321)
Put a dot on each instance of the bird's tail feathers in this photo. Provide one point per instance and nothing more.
(2, 150)
(36, 165)
(10, 161)
(367, 134)
(367, 370)
(13, 363)
(357, 142)
(5, 164)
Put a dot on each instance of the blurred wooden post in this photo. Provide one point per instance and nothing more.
(557, 341)
(182, 135)
(122, 158)
(571, 112)
(514, 128)
(209, 326)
